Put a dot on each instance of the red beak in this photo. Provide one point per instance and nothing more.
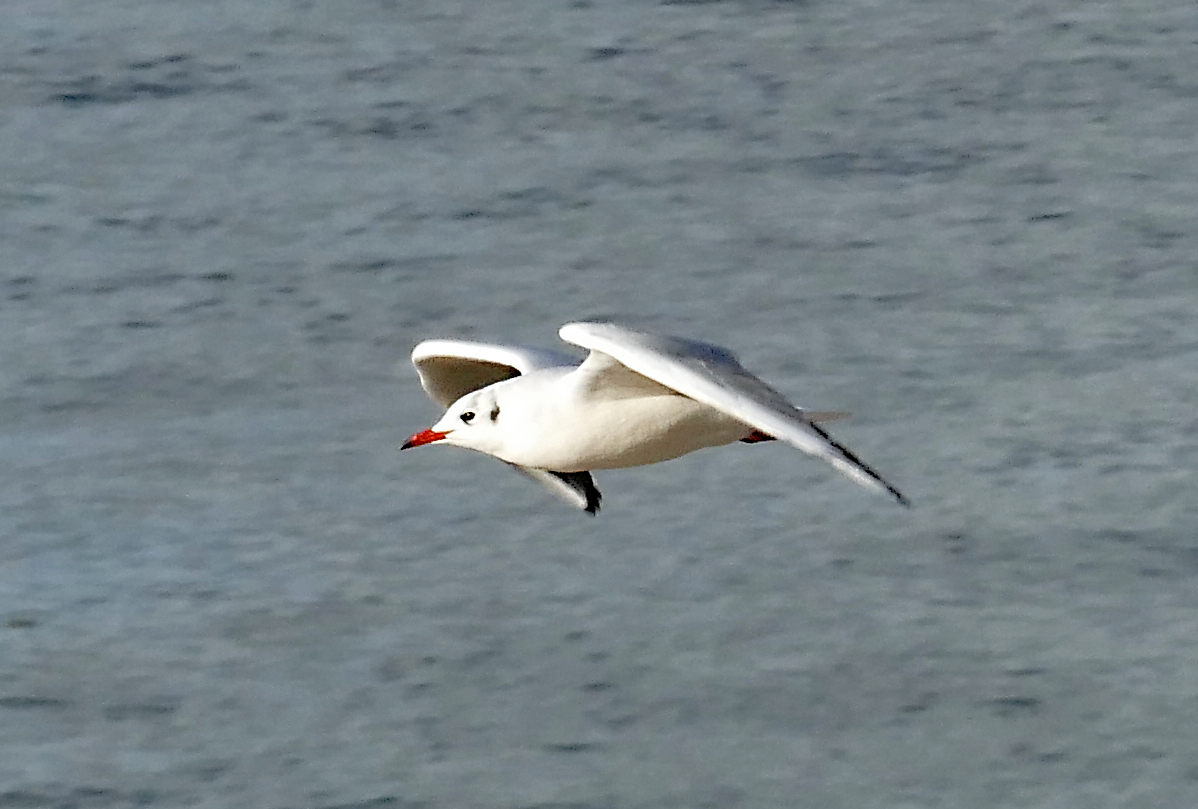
(426, 437)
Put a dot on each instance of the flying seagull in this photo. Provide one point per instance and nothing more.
(636, 399)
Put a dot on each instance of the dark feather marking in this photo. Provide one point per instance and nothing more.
(897, 494)
(582, 482)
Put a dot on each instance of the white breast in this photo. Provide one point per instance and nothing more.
(576, 435)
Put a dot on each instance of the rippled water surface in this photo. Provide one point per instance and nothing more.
(224, 225)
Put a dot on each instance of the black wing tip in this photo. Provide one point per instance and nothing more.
(593, 499)
(582, 482)
(899, 496)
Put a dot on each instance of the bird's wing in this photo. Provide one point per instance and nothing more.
(712, 375)
(576, 488)
(449, 369)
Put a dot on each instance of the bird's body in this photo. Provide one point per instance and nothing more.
(627, 428)
(637, 399)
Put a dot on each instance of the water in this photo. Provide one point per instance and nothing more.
(225, 225)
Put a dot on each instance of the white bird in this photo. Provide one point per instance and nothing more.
(636, 399)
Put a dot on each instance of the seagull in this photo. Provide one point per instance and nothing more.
(636, 399)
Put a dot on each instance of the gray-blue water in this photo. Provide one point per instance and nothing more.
(224, 225)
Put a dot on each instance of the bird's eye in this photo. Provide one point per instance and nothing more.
(468, 416)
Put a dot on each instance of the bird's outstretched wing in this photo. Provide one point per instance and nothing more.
(712, 375)
(449, 369)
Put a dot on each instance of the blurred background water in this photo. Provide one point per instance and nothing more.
(223, 226)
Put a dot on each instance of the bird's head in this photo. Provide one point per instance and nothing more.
(471, 422)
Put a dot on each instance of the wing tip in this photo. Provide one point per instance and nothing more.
(582, 490)
(594, 497)
(857, 469)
